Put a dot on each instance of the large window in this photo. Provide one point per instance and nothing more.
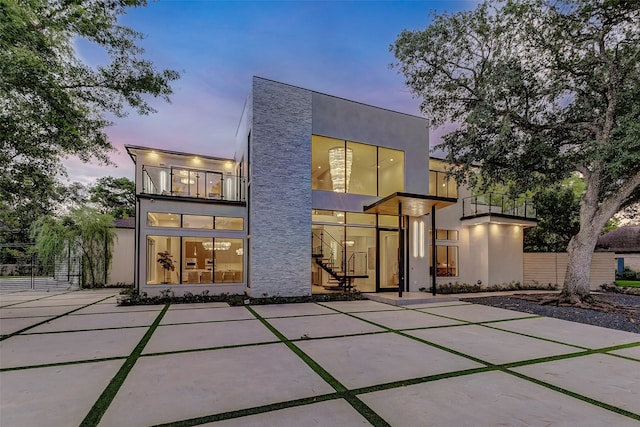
(344, 240)
(192, 260)
(446, 260)
(439, 184)
(350, 167)
(203, 222)
(390, 171)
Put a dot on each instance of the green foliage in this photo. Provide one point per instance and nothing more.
(540, 90)
(462, 288)
(84, 232)
(53, 105)
(623, 288)
(114, 196)
(134, 297)
(558, 213)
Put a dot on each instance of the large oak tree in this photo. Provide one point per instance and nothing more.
(540, 89)
(54, 105)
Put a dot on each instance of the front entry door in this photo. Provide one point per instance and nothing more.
(387, 280)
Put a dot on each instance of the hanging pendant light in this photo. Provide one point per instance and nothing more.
(340, 160)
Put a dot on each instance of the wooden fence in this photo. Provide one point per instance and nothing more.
(544, 268)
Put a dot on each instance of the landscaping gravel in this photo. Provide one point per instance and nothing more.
(629, 323)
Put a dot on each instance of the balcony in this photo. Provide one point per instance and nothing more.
(499, 206)
(192, 183)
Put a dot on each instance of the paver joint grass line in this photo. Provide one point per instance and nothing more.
(308, 360)
(100, 407)
(362, 408)
(575, 395)
(74, 362)
(251, 411)
(4, 337)
(35, 299)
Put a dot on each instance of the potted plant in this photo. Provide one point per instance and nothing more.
(166, 261)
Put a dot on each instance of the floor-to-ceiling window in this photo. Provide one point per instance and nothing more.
(355, 168)
(196, 255)
(346, 242)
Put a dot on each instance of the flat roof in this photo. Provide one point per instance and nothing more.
(412, 204)
(132, 148)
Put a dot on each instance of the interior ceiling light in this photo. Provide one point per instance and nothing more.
(221, 246)
(340, 160)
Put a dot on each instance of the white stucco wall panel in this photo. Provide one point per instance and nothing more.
(123, 262)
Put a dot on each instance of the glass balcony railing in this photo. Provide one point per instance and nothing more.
(497, 203)
(193, 183)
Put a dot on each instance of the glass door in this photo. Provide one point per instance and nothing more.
(388, 260)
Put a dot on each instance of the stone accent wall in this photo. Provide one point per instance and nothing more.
(280, 190)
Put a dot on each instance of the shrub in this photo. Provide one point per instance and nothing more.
(460, 288)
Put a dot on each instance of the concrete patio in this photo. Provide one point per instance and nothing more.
(75, 358)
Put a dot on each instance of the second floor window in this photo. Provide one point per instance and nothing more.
(350, 167)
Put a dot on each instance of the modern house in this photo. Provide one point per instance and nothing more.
(323, 194)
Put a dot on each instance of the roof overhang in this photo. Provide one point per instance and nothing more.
(412, 204)
(496, 218)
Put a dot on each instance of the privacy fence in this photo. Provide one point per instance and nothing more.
(545, 268)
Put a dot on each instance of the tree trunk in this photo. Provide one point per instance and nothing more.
(576, 280)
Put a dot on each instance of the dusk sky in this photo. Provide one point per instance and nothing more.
(335, 47)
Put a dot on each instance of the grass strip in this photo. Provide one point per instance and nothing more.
(301, 354)
(576, 395)
(429, 343)
(221, 347)
(4, 337)
(364, 410)
(74, 362)
(533, 336)
(68, 331)
(100, 407)
(251, 411)
(356, 403)
(35, 299)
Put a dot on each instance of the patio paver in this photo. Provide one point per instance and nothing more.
(213, 314)
(212, 361)
(476, 313)
(406, 319)
(53, 396)
(361, 361)
(207, 335)
(487, 399)
(359, 306)
(602, 377)
(78, 322)
(38, 349)
(15, 312)
(492, 345)
(332, 413)
(569, 332)
(321, 326)
(9, 326)
(633, 352)
(287, 310)
(187, 385)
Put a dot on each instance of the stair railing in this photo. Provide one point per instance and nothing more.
(337, 251)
